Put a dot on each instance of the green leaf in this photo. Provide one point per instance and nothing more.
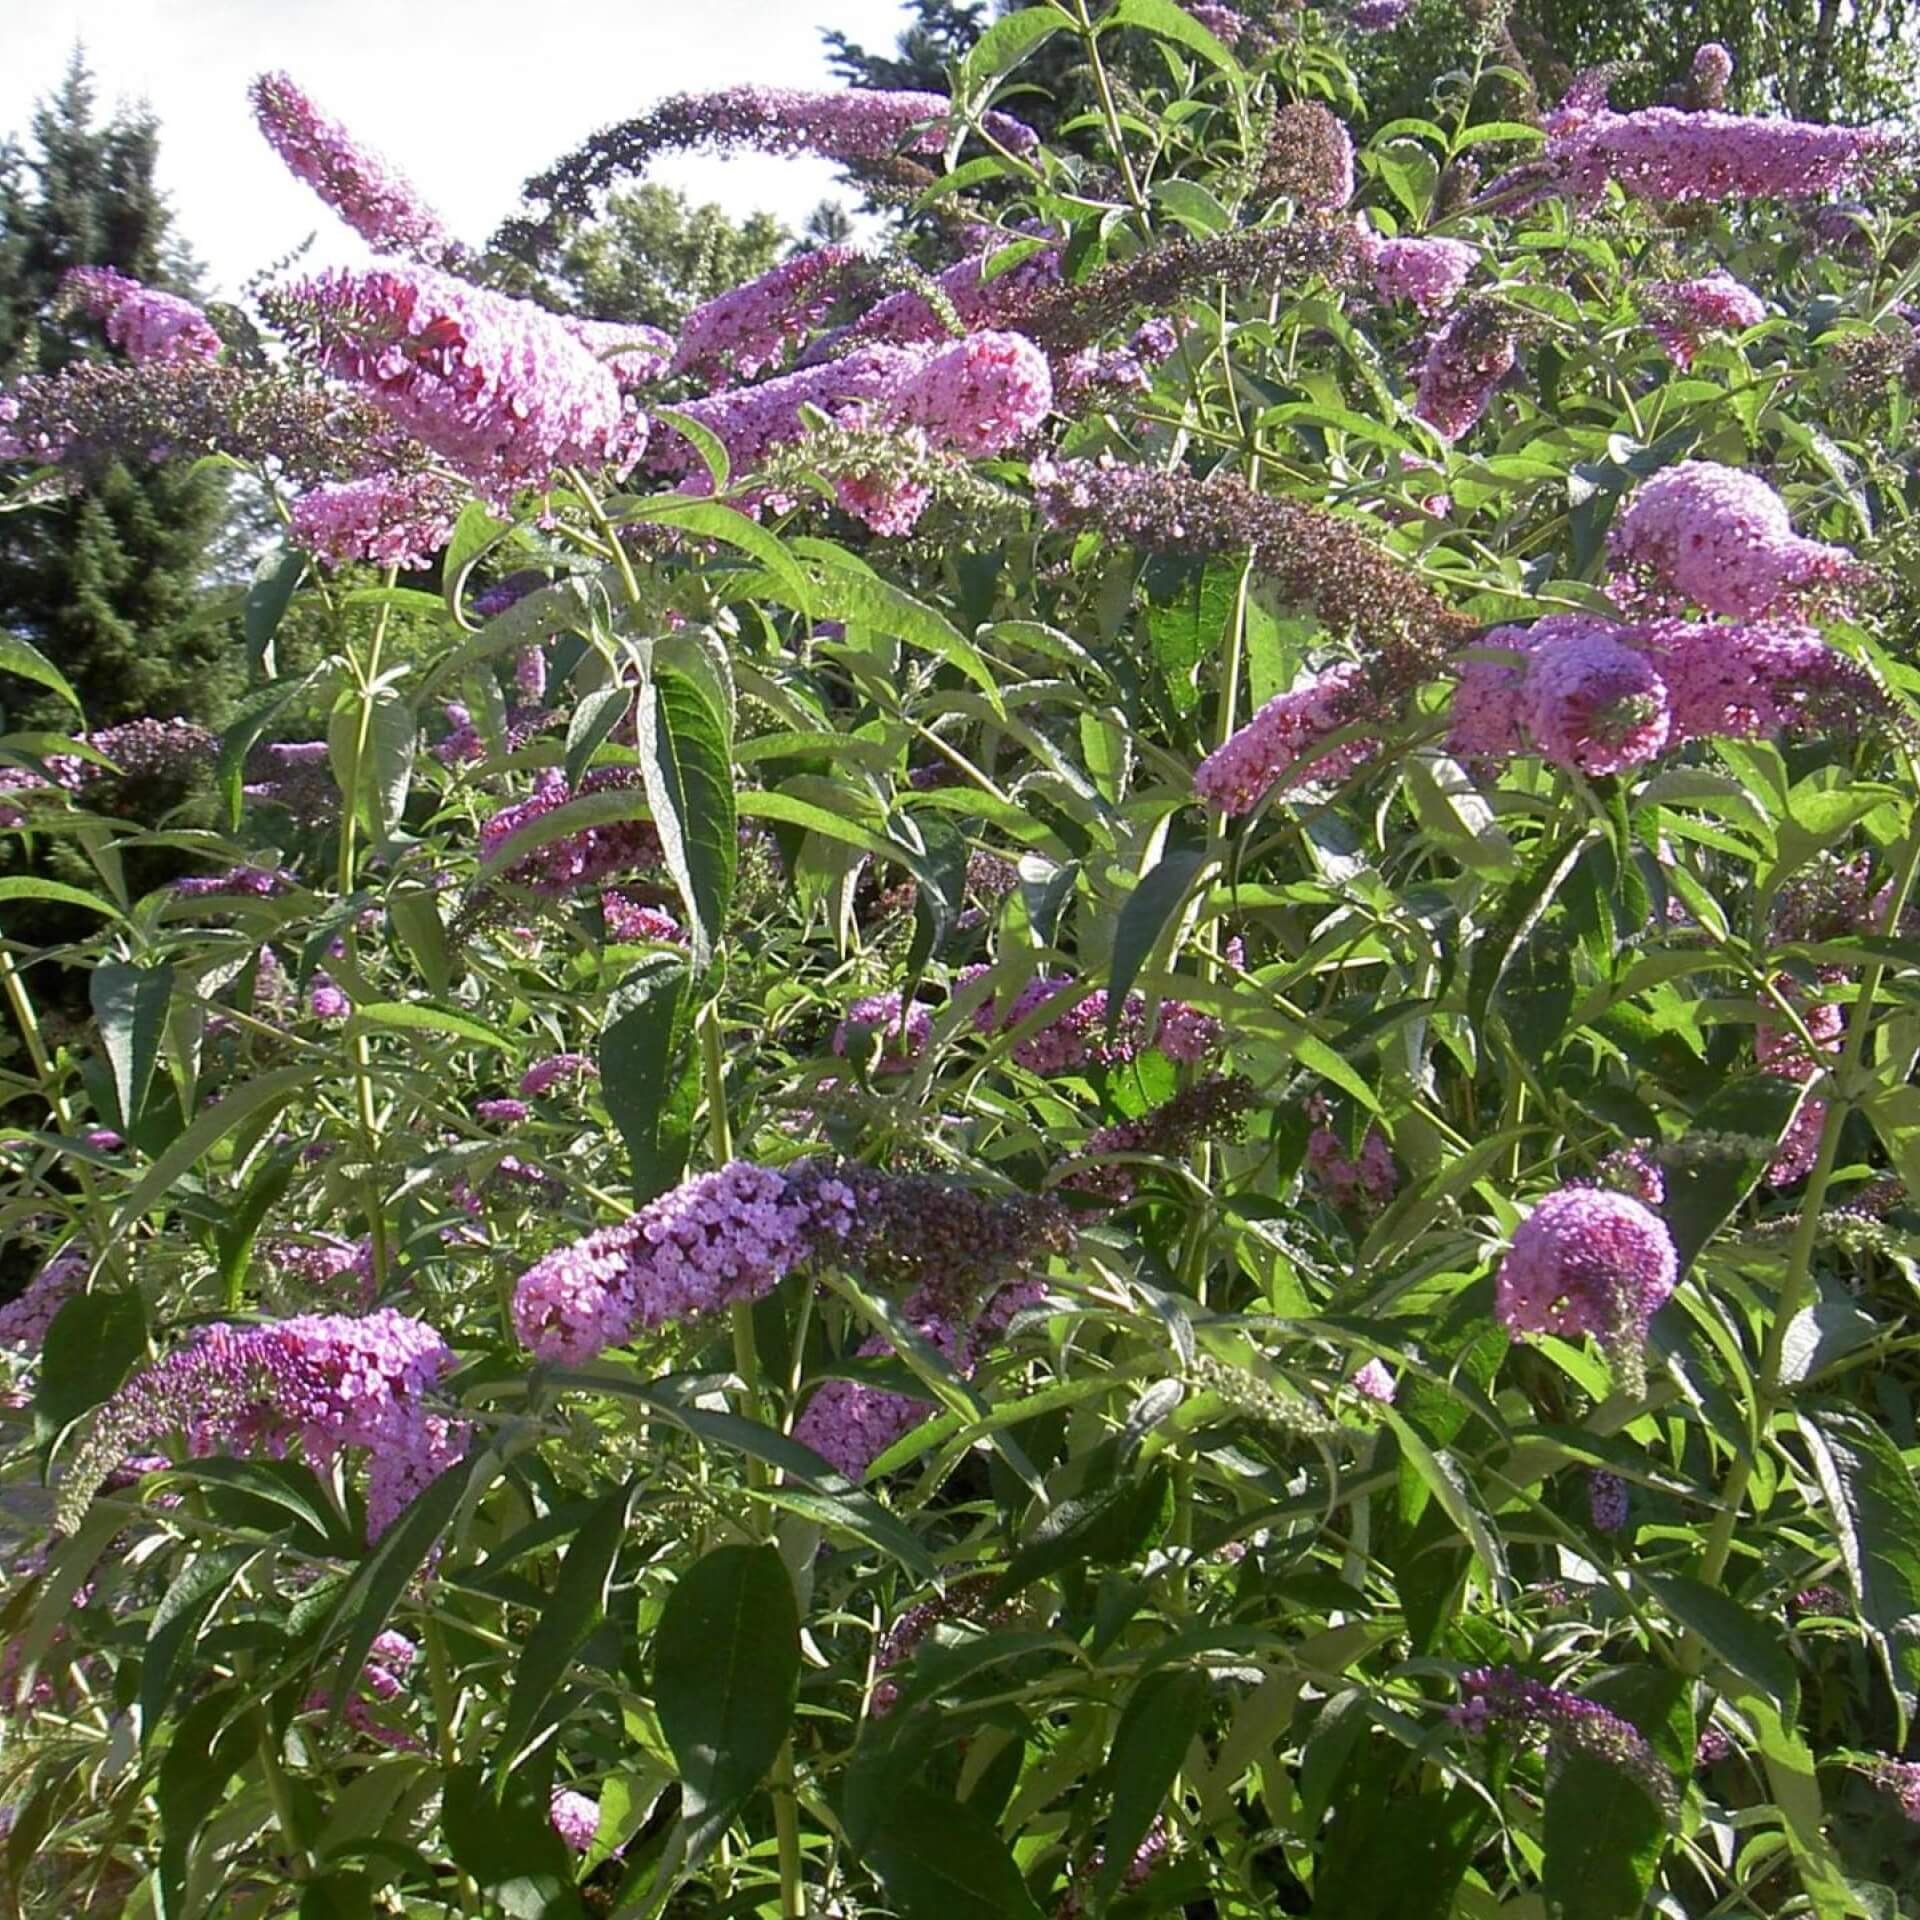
(208, 1748)
(648, 1076)
(1110, 1528)
(176, 1625)
(1604, 1834)
(1795, 1791)
(712, 520)
(209, 1128)
(593, 719)
(1875, 1508)
(369, 1597)
(1169, 22)
(337, 1896)
(704, 441)
(25, 887)
(17, 656)
(938, 1859)
(1744, 1643)
(372, 751)
(130, 1007)
(577, 1605)
(95, 1341)
(253, 717)
(1705, 1188)
(1003, 46)
(686, 762)
(1450, 1487)
(275, 580)
(1520, 912)
(1161, 1719)
(795, 812)
(503, 1838)
(234, 1237)
(1150, 910)
(415, 913)
(726, 1673)
(474, 532)
(417, 1016)
(868, 601)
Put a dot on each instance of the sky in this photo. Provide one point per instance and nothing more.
(467, 97)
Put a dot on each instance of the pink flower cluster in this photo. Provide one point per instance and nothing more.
(1076, 1037)
(391, 519)
(1780, 1051)
(575, 860)
(543, 1076)
(24, 1320)
(1284, 743)
(715, 1240)
(1587, 1260)
(1719, 538)
(1665, 153)
(259, 882)
(1367, 1183)
(1499, 1697)
(322, 1259)
(1429, 272)
(1600, 696)
(629, 921)
(323, 1381)
(144, 323)
(880, 1023)
(497, 387)
(1376, 1381)
(576, 1818)
(362, 188)
(382, 1681)
(909, 318)
(850, 1424)
(636, 355)
(975, 396)
(750, 328)
(1680, 311)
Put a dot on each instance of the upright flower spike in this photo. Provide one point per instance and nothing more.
(1720, 539)
(361, 187)
(497, 387)
(1465, 365)
(1309, 158)
(144, 323)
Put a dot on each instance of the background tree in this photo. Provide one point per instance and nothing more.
(112, 583)
(649, 259)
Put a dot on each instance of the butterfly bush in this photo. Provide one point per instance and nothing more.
(1199, 981)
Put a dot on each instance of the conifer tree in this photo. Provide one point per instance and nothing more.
(111, 583)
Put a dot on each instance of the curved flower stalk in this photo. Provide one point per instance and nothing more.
(89, 415)
(962, 294)
(858, 125)
(377, 202)
(743, 332)
(1469, 358)
(1503, 1700)
(1065, 317)
(1306, 556)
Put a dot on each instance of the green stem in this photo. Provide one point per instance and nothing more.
(366, 1107)
(1797, 1287)
(1110, 111)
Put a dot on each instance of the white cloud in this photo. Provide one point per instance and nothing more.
(467, 97)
